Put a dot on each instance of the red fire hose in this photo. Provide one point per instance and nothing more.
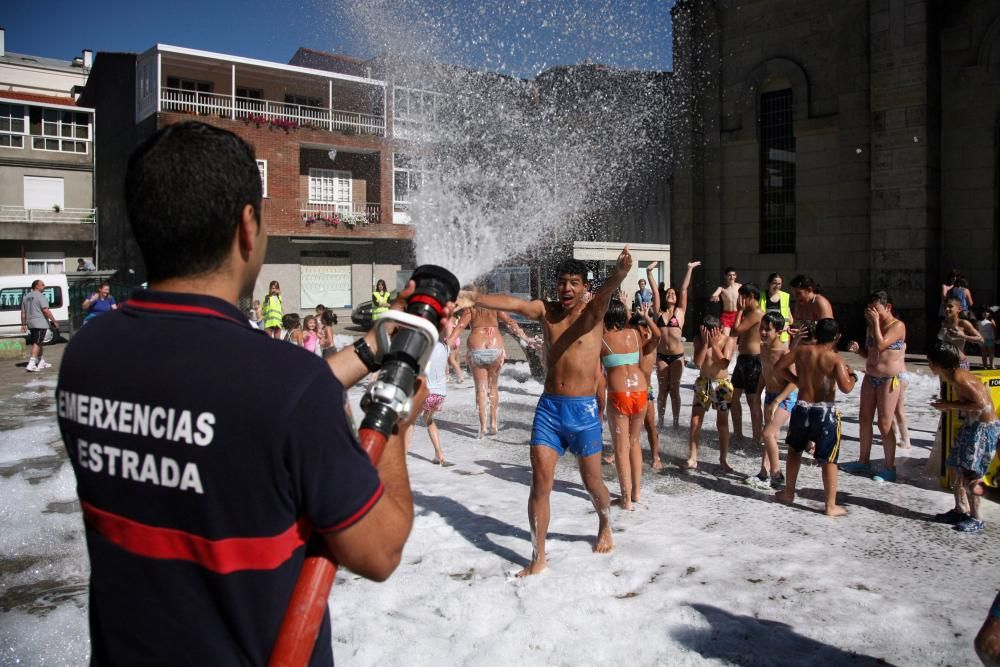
(304, 615)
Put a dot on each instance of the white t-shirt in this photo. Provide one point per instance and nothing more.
(437, 370)
(986, 329)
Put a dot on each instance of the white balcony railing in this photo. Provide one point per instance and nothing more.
(280, 114)
(334, 214)
(62, 215)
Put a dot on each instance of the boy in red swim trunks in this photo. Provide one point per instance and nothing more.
(729, 294)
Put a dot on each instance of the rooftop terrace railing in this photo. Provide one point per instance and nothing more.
(271, 112)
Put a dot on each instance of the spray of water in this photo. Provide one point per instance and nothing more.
(516, 167)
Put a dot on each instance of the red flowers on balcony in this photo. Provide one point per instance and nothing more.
(259, 120)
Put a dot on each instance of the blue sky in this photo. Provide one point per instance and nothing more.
(516, 36)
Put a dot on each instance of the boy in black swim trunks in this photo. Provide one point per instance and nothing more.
(819, 372)
(747, 374)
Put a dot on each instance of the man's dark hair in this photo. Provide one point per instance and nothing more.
(572, 267)
(728, 269)
(617, 315)
(826, 330)
(805, 282)
(750, 290)
(944, 355)
(35, 284)
(711, 322)
(185, 191)
(879, 296)
(774, 319)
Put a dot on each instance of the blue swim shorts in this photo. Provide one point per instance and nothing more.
(786, 404)
(567, 423)
(818, 423)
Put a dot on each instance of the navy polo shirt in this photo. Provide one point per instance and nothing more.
(207, 455)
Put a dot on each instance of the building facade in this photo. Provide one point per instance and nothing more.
(323, 149)
(47, 213)
(856, 143)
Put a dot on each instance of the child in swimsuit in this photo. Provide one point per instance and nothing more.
(779, 400)
(819, 372)
(884, 354)
(976, 441)
(670, 351)
(712, 390)
(628, 393)
(988, 330)
(437, 388)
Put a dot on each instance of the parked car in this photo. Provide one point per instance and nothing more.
(361, 316)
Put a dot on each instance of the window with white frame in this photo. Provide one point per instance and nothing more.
(415, 109)
(328, 186)
(262, 168)
(45, 263)
(189, 85)
(408, 176)
(59, 130)
(13, 125)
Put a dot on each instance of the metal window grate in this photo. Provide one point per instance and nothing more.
(777, 170)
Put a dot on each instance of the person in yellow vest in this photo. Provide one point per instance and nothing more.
(271, 310)
(380, 300)
(778, 301)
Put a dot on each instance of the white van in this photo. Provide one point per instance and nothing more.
(12, 290)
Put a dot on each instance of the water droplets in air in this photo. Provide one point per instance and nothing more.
(514, 166)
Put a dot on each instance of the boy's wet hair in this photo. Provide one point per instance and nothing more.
(774, 319)
(805, 282)
(826, 330)
(291, 321)
(711, 322)
(944, 355)
(879, 296)
(572, 267)
(329, 318)
(728, 269)
(617, 315)
(750, 290)
(953, 299)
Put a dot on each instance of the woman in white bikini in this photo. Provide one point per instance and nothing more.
(670, 351)
(485, 358)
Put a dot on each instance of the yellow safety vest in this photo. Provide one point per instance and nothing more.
(272, 311)
(380, 303)
(784, 299)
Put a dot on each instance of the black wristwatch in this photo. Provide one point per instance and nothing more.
(365, 354)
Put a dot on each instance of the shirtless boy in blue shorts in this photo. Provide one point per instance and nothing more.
(566, 418)
(819, 372)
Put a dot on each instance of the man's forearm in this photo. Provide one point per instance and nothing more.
(507, 303)
(347, 365)
(396, 482)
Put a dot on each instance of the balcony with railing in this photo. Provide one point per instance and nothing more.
(270, 112)
(337, 214)
(59, 215)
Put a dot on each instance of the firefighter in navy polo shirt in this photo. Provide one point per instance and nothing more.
(207, 454)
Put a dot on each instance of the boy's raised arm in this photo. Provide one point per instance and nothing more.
(599, 304)
(533, 309)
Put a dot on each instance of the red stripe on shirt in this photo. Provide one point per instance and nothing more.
(357, 515)
(223, 556)
(179, 308)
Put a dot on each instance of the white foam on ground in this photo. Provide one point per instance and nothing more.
(705, 570)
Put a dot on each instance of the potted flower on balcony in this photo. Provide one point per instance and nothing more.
(283, 123)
